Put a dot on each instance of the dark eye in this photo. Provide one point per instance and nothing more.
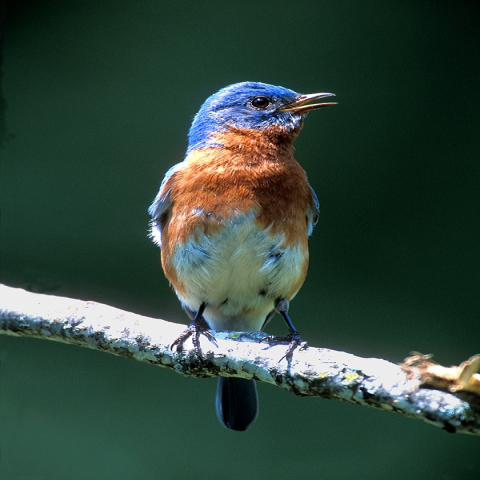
(261, 102)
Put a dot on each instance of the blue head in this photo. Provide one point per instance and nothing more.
(250, 105)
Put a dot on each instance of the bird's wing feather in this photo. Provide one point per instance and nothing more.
(313, 211)
(162, 204)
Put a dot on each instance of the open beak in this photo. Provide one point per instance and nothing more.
(300, 107)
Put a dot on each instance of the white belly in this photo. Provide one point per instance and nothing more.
(238, 272)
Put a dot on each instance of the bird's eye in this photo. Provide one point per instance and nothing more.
(261, 102)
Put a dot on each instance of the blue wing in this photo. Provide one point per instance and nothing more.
(313, 212)
(160, 207)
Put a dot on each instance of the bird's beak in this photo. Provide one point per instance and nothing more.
(299, 106)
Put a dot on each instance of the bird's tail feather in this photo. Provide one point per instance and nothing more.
(237, 402)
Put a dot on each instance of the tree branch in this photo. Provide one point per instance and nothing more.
(313, 371)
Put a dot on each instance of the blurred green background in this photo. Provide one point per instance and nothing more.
(99, 98)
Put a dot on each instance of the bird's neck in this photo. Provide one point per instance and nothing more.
(271, 144)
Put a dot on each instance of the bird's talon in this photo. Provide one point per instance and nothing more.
(294, 341)
(198, 327)
(268, 338)
(181, 339)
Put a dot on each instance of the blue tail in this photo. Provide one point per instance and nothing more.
(237, 402)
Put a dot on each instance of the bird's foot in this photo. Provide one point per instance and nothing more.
(293, 338)
(198, 327)
(294, 341)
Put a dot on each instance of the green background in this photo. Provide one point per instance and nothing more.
(99, 97)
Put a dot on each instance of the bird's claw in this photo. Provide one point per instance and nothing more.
(294, 340)
(198, 327)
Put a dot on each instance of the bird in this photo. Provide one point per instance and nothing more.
(232, 221)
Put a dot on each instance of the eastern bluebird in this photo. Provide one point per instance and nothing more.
(232, 220)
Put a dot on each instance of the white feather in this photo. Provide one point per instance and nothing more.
(239, 272)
